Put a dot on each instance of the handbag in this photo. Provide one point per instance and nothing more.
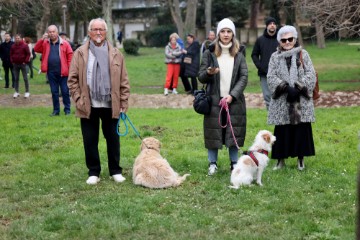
(187, 60)
(316, 91)
(202, 102)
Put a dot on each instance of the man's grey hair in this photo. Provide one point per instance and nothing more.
(97, 19)
(53, 26)
(286, 29)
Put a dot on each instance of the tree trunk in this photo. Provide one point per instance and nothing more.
(76, 30)
(107, 12)
(190, 19)
(254, 13)
(41, 26)
(320, 38)
(208, 24)
(176, 15)
(14, 25)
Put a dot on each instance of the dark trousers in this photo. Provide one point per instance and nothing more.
(16, 69)
(194, 85)
(8, 69)
(29, 67)
(90, 132)
(56, 81)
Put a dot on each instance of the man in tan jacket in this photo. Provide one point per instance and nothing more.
(99, 85)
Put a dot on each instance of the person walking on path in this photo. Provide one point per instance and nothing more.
(264, 46)
(173, 54)
(19, 57)
(56, 58)
(224, 69)
(5, 58)
(99, 85)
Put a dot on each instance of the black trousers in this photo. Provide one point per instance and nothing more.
(8, 69)
(90, 131)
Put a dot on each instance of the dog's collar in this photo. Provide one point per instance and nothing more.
(251, 154)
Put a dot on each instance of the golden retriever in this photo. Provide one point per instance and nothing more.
(152, 170)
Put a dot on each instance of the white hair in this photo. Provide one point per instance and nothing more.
(97, 19)
(286, 29)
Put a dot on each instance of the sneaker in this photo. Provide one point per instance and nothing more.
(166, 91)
(174, 91)
(93, 180)
(118, 178)
(26, 95)
(301, 165)
(280, 164)
(212, 169)
(16, 94)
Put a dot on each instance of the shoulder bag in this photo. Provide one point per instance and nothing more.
(202, 101)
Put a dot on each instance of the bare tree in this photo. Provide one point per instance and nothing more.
(254, 10)
(208, 4)
(107, 12)
(187, 25)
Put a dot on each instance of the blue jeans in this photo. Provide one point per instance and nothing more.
(213, 155)
(265, 91)
(56, 81)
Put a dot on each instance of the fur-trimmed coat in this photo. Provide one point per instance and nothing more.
(278, 73)
(237, 109)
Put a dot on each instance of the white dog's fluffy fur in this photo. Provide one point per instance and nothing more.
(152, 170)
(246, 171)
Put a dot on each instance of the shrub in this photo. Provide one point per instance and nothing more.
(159, 36)
(131, 46)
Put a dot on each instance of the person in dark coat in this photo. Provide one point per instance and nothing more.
(264, 46)
(224, 70)
(5, 58)
(190, 64)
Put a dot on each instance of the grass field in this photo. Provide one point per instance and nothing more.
(44, 196)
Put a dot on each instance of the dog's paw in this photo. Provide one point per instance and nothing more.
(234, 187)
(259, 183)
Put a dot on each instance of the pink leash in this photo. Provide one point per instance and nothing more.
(224, 106)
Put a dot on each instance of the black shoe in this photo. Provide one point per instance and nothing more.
(54, 114)
(6, 87)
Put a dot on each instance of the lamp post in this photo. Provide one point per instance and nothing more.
(64, 7)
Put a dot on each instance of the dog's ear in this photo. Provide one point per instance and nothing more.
(266, 137)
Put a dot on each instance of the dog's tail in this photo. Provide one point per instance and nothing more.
(182, 179)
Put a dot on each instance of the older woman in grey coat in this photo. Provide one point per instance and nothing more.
(291, 79)
(224, 69)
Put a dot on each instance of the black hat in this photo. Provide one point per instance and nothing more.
(62, 33)
(270, 20)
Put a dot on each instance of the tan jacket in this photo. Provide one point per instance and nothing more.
(79, 90)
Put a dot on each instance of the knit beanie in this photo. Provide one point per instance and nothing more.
(270, 20)
(225, 23)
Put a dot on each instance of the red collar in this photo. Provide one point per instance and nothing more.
(251, 154)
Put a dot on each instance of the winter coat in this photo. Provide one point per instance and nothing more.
(279, 74)
(193, 51)
(5, 53)
(20, 53)
(65, 52)
(212, 130)
(79, 89)
(173, 55)
(264, 46)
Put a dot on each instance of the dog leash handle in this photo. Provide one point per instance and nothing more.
(123, 117)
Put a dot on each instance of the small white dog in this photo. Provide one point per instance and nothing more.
(152, 170)
(251, 166)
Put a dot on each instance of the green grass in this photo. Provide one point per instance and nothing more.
(337, 65)
(44, 196)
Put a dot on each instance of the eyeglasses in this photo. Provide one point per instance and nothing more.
(284, 40)
(98, 29)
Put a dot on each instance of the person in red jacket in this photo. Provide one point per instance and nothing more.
(19, 57)
(56, 59)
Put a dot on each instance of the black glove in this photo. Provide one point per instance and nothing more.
(303, 90)
(293, 94)
(280, 90)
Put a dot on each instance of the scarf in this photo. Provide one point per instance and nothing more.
(100, 87)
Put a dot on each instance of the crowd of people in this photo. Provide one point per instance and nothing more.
(95, 77)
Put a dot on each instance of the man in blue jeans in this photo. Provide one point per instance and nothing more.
(56, 59)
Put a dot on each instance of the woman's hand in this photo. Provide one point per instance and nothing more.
(229, 99)
(212, 70)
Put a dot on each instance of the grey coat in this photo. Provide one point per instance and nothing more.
(278, 73)
(237, 109)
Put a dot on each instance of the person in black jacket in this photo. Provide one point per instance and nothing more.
(264, 47)
(5, 58)
(190, 64)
